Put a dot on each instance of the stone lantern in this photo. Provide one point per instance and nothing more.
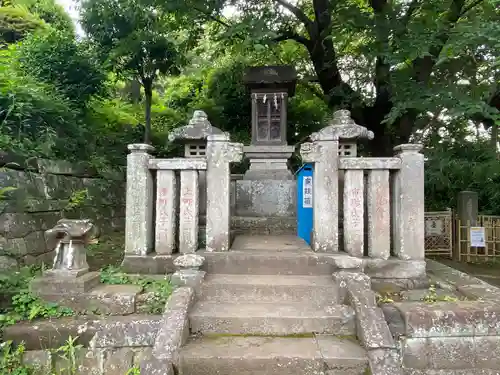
(194, 138)
(270, 87)
(194, 135)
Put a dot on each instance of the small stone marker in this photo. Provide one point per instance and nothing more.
(188, 270)
(70, 271)
(189, 262)
(69, 238)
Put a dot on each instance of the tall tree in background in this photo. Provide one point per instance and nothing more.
(390, 62)
(140, 40)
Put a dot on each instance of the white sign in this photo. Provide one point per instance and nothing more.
(477, 237)
(307, 192)
(434, 227)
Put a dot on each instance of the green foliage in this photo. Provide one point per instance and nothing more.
(433, 297)
(57, 58)
(140, 40)
(68, 353)
(25, 306)
(134, 371)
(77, 199)
(452, 167)
(34, 118)
(11, 360)
(16, 22)
(161, 289)
(51, 12)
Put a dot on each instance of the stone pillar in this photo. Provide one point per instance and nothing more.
(408, 204)
(324, 153)
(188, 213)
(379, 215)
(467, 207)
(219, 154)
(166, 211)
(354, 212)
(139, 201)
(467, 212)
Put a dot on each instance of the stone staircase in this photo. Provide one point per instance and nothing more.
(270, 308)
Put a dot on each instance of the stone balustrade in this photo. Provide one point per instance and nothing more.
(382, 198)
(163, 199)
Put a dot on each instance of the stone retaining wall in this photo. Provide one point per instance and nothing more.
(455, 338)
(45, 191)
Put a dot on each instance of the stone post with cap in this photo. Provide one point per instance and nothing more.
(324, 152)
(408, 211)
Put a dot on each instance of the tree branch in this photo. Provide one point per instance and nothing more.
(290, 35)
(211, 17)
(414, 5)
(301, 16)
(423, 66)
(469, 7)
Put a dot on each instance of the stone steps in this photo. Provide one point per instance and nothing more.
(246, 262)
(315, 290)
(251, 355)
(274, 319)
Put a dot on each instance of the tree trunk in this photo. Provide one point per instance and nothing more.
(148, 92)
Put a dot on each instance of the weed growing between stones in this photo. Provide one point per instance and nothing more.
(433, 297)
(11, 361)
(25, 306)
(159, 290)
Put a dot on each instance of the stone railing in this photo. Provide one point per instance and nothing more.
(394, 194)
(152, 216)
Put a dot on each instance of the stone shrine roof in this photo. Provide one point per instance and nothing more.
(343, 128)
(198, 129)
(272, 77)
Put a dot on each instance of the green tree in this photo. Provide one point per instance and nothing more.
(19, 18)
(55, 57)
(140, 40)
(389, 62)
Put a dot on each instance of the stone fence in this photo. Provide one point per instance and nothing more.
(155, 214)
(392, 218)
(375, 205)
(44, 191)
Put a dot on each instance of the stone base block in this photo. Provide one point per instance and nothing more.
(264, 225)
(266, 198)
(151, 264)
(191, 278)
(53, 284)
(394, 268)
(105, 299)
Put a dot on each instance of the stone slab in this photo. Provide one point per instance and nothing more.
(57, 285)
(315, 290)
(450, 319)
(250, 356)
(264, 225)
(270, 243)
(266, 198)
(369, 163)
(51, 334)
(271, 319)
(452, 353)
(266, 263)
(174, 330)
(342, 354)
(394, 268)
(151, 264)
(229, 355)
(137, 331)
(178, 164)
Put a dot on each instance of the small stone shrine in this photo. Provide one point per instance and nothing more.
(270, 87)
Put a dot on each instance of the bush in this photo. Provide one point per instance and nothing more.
(56, 58)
